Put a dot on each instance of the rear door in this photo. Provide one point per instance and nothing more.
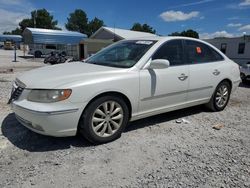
(206, 70)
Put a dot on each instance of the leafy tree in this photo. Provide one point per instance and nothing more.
(40, 18)
(17, 31)
(77, 21)
(26, 23)
(6, 33)
(94, 25)
(143, 28)
(175, 34)
(189, 33)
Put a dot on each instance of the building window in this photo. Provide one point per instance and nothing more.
(223, 48)
(241, 49)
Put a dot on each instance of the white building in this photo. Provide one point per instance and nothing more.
(115, 34)
(237, 49)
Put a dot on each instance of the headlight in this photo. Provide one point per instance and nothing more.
(48, 96)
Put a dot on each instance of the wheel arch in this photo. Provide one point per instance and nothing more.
(229, 81)
(110, 93)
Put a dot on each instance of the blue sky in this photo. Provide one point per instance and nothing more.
(211, 18)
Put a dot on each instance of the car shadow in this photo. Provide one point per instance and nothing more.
(26, 56)
(165, 117)
(245, 85)
(28, 140)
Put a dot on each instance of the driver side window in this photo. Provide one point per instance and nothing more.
(171, 51)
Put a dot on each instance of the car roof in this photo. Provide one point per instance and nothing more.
(163, 38)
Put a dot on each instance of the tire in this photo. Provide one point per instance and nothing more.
(38, 54)
(219, 100)
(99, 126)
(45, 61)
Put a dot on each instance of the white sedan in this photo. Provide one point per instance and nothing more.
(127, 81)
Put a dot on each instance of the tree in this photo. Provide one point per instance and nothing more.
(77, 21)
(94, 25)
(26, 23)
(40, 18)
(189, 33)
(17, 31)
(143, 28)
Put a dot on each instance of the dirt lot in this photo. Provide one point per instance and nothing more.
(153, 152)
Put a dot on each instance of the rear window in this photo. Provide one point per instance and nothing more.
(198, 52)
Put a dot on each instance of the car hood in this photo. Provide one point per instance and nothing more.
(51, 77)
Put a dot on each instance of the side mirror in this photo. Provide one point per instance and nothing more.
(159, 64)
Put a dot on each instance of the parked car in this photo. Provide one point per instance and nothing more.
(8, 45)
(127, 81)
(245, 72)
(38, 50)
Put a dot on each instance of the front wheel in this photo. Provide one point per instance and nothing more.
(220, 97)
(104, 119)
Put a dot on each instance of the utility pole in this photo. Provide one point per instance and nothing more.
(34, 20)
(15, 53)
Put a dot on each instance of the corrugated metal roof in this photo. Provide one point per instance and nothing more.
(123, 33)
(49, 36)
(16, 38)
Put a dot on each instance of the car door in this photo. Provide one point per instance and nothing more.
(205, 72)
(163, 88)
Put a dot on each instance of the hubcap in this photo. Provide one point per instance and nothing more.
(222, 96)
(107, 118)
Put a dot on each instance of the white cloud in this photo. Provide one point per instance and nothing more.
(9, 20)
(12, 12)
(216, 35)
(245, 28)
(172, 16)
(234, 25)
(245, 3)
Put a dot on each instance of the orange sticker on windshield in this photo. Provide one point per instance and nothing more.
(198, 50)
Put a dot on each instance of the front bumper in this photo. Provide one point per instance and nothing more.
(58, 122)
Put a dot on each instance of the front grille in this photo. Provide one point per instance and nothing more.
(17, 93)
(17, 90)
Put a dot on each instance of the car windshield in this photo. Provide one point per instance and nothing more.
(123, 54)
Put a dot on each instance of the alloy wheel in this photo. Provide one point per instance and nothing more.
(222, 95)
(107, 118)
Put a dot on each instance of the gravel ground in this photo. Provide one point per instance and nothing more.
(153, 152)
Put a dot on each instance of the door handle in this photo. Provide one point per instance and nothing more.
(216, 72)
(182, 77)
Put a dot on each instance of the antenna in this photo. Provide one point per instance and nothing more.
(114, 34)
(35, 15)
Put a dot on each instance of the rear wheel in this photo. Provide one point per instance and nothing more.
(220, 97)
(104, 119)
